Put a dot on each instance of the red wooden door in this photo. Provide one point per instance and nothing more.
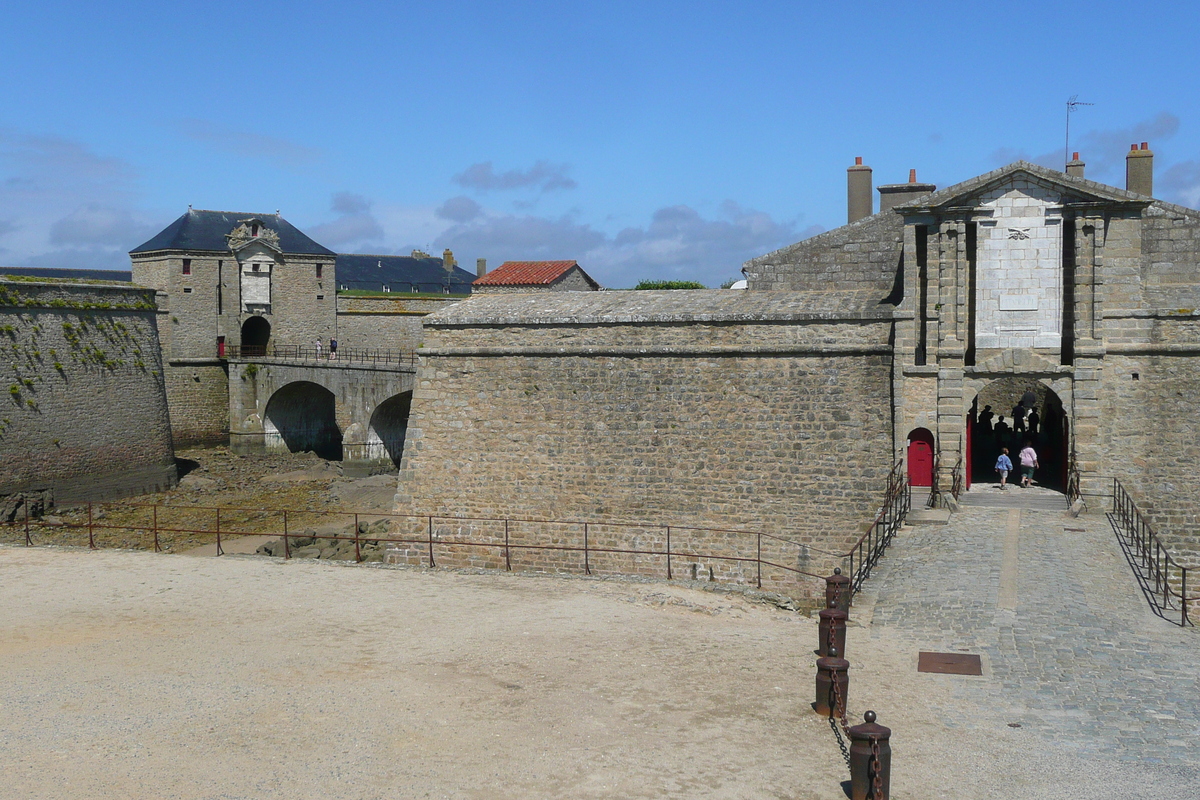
(920, 458)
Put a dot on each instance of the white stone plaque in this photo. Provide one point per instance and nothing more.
(1018, 302)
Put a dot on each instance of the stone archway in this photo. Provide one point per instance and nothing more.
(256, 334)
(385, 434)
(1049, 431)
(301, 416)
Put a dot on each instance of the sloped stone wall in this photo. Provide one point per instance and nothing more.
(84, 405)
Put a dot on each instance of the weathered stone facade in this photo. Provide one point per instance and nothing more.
(85, 412)
(711, 409)
(1082, 293)
(390, 322)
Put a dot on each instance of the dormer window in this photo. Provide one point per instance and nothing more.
(254, 267)
(187, 266)
(254, 229)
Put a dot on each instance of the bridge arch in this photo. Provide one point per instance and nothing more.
(385, 433)
(302, 416)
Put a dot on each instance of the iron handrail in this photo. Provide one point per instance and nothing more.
(1159, 572)
(309, 353)
(867, 551)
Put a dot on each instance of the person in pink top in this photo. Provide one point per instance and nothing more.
(1029, 462)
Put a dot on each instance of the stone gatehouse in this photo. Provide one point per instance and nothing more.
(783, 406)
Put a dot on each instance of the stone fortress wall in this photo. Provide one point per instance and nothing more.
(85, 409)
(765, 411)
(385, 322)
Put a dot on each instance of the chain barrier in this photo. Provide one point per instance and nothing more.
(877, 768)
(833, 726)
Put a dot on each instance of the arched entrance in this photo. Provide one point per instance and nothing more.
(301, 417)
(920, 457)
(256, 333)
(993, 426)
(385, 436)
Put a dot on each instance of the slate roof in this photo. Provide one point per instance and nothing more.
(530, 273)
(206, 230)
(400, 274)
(50, 273)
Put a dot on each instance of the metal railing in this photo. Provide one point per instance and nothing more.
(306, 353)
(956, 479)
(1074, 482)
(867, 551)
(588, 546)
(1163, 580)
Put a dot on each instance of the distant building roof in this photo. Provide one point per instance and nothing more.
(206, 230)
(400, 274)
(51, 273)
(530, 273)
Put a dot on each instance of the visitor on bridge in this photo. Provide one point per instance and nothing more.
(1029, 462)
(1003, 466)
(318, 344)
(333, 348)
(1034, 421)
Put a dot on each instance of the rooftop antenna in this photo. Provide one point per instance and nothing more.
(1071, 106)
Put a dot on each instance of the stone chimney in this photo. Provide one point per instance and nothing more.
(1075, 166)
(897, 194)
(858, 191)
(1139, 169)
(480, 267)
(448, 260)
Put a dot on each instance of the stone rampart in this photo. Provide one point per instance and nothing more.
(763, 411)
(85, 407)
(387, 322)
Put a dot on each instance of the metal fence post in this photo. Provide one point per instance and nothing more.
(155, 524)
(357, 551)
(587, 564)
(870, 760)
(432, 563)
(28, 541)
(220, 551)
(508, 555)
(669, 552)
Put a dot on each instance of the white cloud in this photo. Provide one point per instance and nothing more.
(677, 243)
(1180, 183)
(247, 144)
(459, 209)
(542, 175)
(355, 228)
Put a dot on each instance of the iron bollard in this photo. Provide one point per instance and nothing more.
(831, 631)
(838, 591)
(870, 760)
(832, 671)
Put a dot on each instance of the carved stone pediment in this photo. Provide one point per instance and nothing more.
(245, 234)
(1018, 362)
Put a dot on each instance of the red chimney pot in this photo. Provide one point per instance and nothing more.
(1075, 156)
(912, 176)
(1145, 145)
(858, 161)
(1133, 146)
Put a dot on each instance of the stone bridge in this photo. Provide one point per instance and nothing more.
(355, 412)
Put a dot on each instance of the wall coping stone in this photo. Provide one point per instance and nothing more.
(680, 306)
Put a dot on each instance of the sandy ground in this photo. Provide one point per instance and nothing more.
(135, 675)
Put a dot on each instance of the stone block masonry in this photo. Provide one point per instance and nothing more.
(84, 407)
(724, 410)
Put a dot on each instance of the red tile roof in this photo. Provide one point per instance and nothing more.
(526, 273)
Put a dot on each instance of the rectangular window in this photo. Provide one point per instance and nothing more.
(415, 289)
(387, 288)
(187, 290)
(187, 266)
(320, 297)
(320, 268)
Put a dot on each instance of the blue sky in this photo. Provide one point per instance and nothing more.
(645, 139)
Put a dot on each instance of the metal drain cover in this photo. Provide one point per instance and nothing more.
(950, 663)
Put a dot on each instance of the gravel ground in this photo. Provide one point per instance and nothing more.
(135, 675)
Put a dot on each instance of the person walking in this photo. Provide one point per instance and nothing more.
(333, 348)
(1029, 462)
(1003, 466)
(318, 344)
(1034, 422)
(1018, 417)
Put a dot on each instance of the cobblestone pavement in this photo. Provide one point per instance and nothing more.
(1072, 654)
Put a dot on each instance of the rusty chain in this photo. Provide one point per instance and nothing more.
(877, 784)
